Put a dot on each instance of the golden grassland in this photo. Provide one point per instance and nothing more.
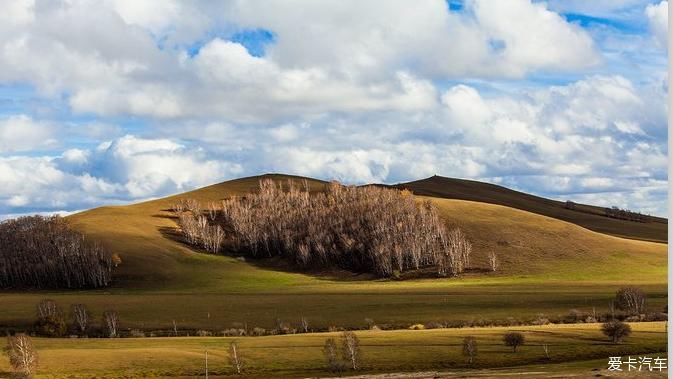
(300, 355)
(547, 266)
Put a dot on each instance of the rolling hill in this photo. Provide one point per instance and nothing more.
(588, 216)
(548, 266)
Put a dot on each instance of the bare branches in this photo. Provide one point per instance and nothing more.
(80, 316)
(111, 323)
(235, 358)
(22, 355)
(351, 349)
(369, 229)
(43, 252)
(493, 261)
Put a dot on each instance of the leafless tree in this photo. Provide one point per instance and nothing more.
(470, 348)
(493, 261)
(303, 322)
(111, 323)
(47, 308)
(23, 358)
(44, 252)
(545, 347)
(331, 352)
(631, 300)
(367, 229)
(351, 349)
(80, 317)
(235, 358)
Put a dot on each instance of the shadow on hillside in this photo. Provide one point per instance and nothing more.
(279, 264)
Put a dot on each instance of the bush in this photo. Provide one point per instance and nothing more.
(616, 330)
(51, 326)
(514, 340)
(136, 333)
(417, 327)
(470, 348)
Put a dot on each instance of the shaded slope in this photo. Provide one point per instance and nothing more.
(529, 244)
(588, 216)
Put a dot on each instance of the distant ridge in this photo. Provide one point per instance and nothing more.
(588, 216)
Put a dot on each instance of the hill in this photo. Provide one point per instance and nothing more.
(548, 266)
(588, 216)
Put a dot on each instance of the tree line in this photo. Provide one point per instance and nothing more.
(364, 229)
(44, 252)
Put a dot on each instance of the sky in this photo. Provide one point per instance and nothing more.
(116, 101)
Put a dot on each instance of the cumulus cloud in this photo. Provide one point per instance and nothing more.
(124, 169)
(114, 60)
(657, 15)
(22, 133)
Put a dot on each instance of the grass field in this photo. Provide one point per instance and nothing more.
(382, 351)
(547, 266)
(588, 216)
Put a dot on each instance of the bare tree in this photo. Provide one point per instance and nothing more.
(80, 316)
(331, 352)
(47, 308)
(45, 252)
(470, 348)
(631, 300)
(23, 358)
(493, 261)
(304, 324)
(545, 347)
(111, 323)
(369, 229)
(351, 349)
(235, 358)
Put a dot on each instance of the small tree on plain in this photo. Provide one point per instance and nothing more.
(514, 340)
(80, 317)
(50, 320)
(493, 261)
(235, 357)
(304, 324)
(111, 323)
(616, 330)
(470, 348)
(23, 358)
(631, 300)
(351, 349)
(331, 352)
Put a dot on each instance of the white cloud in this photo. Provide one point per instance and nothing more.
(657, 15)
(22, 133)
(108, 57)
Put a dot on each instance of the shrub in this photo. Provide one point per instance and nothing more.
(417, 327)
(616, 330)
(136, 333)
(470, 348)
(50, 320)
(514, 340)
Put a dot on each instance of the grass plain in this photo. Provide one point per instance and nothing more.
(300, 355)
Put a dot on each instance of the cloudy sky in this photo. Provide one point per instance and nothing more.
(107, 102)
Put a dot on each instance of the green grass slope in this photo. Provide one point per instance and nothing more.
(588, 216)
(547, 266)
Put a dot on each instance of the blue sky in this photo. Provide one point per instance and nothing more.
(120, 101)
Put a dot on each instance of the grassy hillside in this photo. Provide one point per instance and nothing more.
(588, 216)
(437, 350)
(548, 266)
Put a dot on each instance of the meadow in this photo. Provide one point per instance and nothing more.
(548, 267)
(300, 355)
